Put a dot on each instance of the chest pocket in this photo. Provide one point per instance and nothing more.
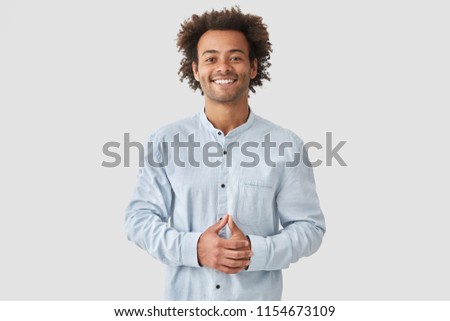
(255, 210)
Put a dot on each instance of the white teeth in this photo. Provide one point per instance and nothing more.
(223, 81)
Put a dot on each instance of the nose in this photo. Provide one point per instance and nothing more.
(223, 66)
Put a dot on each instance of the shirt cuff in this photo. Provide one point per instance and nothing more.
(189, 249)
(258, 260)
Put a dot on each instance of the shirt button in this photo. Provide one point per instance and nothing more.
(223, 185)
(224, 152)
(217, 286)
(219, 133)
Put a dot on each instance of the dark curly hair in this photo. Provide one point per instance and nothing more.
(251, 26)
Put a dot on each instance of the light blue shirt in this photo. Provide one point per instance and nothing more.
(269, 191)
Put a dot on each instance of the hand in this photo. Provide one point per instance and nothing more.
(236, 234)
(227, 256)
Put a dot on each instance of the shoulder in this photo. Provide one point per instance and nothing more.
(182, 126)
(277, 132)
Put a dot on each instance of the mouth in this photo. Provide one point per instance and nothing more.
(223, 82)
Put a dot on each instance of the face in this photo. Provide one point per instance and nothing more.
(224, 69)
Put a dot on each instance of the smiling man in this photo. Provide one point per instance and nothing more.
(238, 205)
(224, 69)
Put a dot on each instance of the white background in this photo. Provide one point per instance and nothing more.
(77, 74)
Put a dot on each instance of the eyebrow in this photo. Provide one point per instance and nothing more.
(213, 51)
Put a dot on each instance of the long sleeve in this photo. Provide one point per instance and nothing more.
(300, 215)
(148, 214)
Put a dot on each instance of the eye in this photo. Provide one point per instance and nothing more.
(235, 58)
(210, 59)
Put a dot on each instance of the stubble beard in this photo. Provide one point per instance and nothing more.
(222, 95)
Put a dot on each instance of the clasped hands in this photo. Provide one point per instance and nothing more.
(229, 256)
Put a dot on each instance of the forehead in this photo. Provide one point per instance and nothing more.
(222, 40)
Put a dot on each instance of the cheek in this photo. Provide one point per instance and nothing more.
(200, 75)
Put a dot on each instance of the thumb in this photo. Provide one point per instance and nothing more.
(220, 224)
(233, 227)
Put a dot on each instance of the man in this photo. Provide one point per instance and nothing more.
(216, 187)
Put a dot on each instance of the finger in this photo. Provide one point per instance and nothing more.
(232, 225)
(234, 244)
(220, 224)
(228, 270)
(233, 264)
(238, 255)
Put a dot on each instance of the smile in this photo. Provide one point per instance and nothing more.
(224, 81)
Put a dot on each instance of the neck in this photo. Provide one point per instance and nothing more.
(226, 118)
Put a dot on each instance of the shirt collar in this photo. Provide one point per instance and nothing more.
(236, 131)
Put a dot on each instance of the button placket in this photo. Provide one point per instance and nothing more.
(218, 286)
(222, 189)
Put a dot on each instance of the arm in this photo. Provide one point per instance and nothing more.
(147, 215)
(302, 220)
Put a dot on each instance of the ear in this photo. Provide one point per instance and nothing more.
(254, 68)
(195, 70)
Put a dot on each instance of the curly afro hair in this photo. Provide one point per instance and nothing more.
(251, 26)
